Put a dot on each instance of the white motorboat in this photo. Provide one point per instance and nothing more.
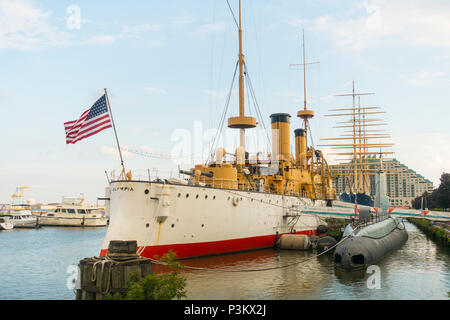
(73, 213)
(18, 212)
(5, 223)
(22, 218)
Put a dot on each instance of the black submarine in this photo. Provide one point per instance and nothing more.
(374, 236)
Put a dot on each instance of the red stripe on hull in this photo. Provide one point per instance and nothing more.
(191, 250)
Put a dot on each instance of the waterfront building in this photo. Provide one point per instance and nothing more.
(403, 183)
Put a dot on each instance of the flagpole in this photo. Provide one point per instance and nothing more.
(115, 133)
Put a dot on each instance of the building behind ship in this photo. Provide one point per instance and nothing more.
(403, 183)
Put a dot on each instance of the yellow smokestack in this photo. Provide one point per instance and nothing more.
(300, 147)
(281, 142)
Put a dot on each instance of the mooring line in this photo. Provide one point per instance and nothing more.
(259, 270)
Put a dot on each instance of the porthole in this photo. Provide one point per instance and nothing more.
(179, 195)
(197, 197)
(147, 191)
(203, 225)
(187, 195)
(206, 197)
(147, 225)
(214, 198)
(173, 226)
(229, 198)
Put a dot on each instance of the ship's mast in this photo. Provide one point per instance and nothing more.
(359, 135)
(304, 84)
(241, 77)
(242, 122)
(305, 114)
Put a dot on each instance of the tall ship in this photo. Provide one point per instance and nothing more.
(362, 138)
(235, 201)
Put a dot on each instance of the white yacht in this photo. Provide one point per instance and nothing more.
(22, 219)
(5, 223)
(20, 216)
(73, 213)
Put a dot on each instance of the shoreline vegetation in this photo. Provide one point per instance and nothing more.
(438, 200)
(439, 232)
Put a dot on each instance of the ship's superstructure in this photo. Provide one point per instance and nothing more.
(227, 205)
(304, 174)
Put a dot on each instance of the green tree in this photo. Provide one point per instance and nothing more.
(439, 198)
(166, 286)
(443, 192)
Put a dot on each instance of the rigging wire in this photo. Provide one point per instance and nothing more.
(311, 136)
(232, 13)
(213, 38)
(257, 108)
(224, 114)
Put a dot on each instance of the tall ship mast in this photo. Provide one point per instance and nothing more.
(234, 202)
(362, 139)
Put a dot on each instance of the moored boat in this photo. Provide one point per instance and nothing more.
(73, 213)
(5, 223)
(21, 218)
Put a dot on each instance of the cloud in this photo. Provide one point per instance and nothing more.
(6, 93)
(137, 30)
(210, 28)
(26, 27)
(155, 90)
(429, 77)
(215, 94)
(427, 153)
(368, 24)
(298, 22)
(182, 21)
(101, 39)
(331, 159)
(293, 96)
(327, 98)
(146, 148)
(114, 152)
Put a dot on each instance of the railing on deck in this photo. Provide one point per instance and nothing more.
(156, 175)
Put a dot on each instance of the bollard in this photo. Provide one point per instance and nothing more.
(99, 276)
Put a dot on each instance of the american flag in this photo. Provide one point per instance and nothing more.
(91, 122)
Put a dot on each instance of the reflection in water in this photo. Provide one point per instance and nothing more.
(34, 266)
(282, 283)
(418, 270)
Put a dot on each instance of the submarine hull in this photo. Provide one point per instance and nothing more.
(356, 253)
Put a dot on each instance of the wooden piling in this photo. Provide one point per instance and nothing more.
(99, 276)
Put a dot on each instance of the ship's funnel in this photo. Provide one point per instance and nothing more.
(220, 153)
(300, 147)
(281, 143)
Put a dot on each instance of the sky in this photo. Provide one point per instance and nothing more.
(168, 67)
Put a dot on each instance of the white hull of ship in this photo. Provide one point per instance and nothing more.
(197, 221)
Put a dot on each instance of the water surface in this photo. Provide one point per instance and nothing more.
(36, 265)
